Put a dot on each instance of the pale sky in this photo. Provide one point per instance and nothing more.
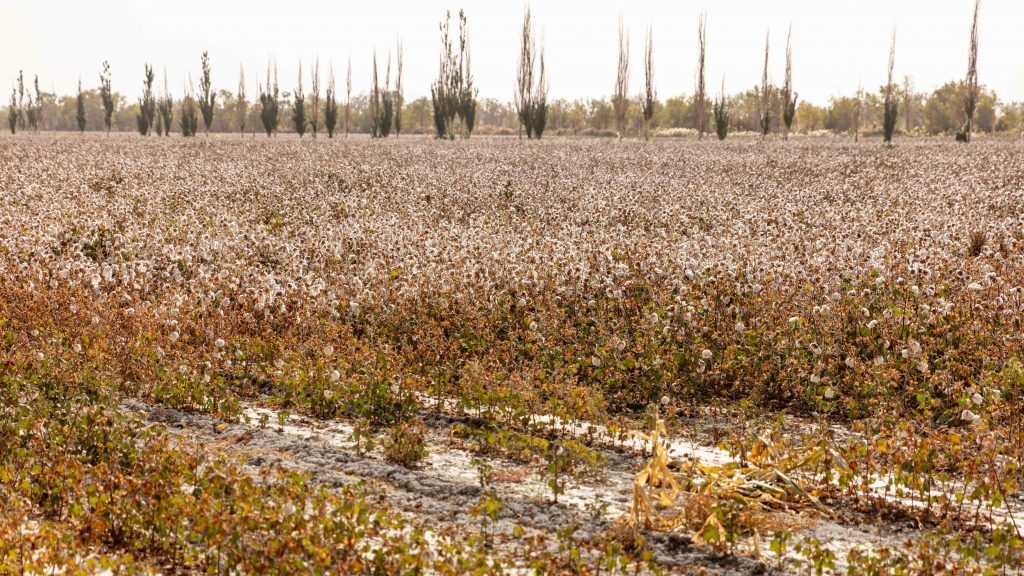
(837, 44)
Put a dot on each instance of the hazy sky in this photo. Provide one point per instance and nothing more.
(837, 44)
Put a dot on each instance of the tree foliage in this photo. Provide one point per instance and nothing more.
(206, 94)
(80, 108)
(721, 114)
(620, 98)
(241, 105)
(971, 82)
(107, 95)
(189, 112)
(270, 102)
(330, 105)
(649, 99)
(165, 109)
(891, 103)
(788, 95)
(766, 95)
(453, 96)
(299, 119)
(700, 94)
(147, 103)
(530, 97)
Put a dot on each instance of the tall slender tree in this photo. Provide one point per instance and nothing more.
(399, 93)
(375, 101)
(165, 107)
(466, 93)
(80, 108)
(908, 104)
(700, 94)
(765, 103)
(971, 82)
(242, 105)
(788, 95)
(348, 96)
(539, 104)
(107, 95)
(314, 111)
(207, 97)
(890, 104)
(722, 114)
(523, 95)
(147, 103)
(36, 107)
(387, 105)
(620, 99)
(189, 114)
(330, 105)
(299, 107)
(13, 112)
(649, 100)
(269, 101)
(21, 100)
(442, 97)
(858, 110)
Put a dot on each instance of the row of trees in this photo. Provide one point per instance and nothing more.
(920, 113)
(453, 108)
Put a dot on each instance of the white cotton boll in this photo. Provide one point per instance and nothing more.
(335, 376)
(279, 363)
(533, 326)
(977, 399)
(219, 343)
(288, 509)
(850, 362)
(595, 361)
(872, 324)
(974, 286)
(77, 347)
(969, 417)
(879, 360)
(829, 393)
(706, 354)
(815, 379)
(740, 327)
(173, 336)
(328, 350)
(922, 366)
(794, 319)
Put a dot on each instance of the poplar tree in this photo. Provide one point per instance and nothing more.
(80, 108)
(330, 105)
(299, 107)
(147, 104)
(107, 95)
(207, 97)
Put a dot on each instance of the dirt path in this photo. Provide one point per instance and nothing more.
(441, 492)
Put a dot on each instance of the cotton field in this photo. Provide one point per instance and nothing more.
(580, 356)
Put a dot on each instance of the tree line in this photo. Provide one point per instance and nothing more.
(454, 109)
